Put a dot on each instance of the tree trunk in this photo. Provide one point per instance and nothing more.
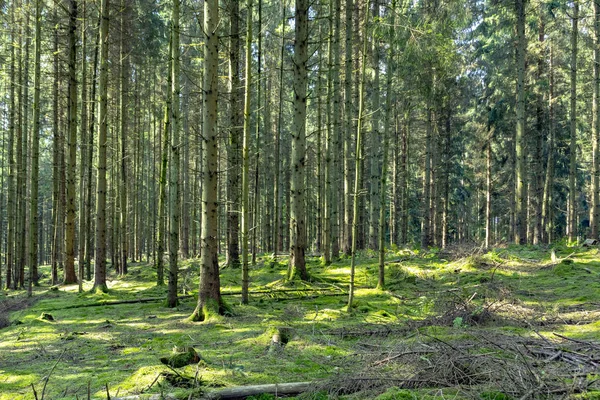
(348, 108)
(70, 276)
(386, 140)
(595, 214)
(357, 159)
(209, 293)
(246, 155)
(100, 262)
(573, 127)
(375, 143)
(298, 161)
(174, 166)
(125, 232)
(35, 145)
(520, 176)
(233, 154)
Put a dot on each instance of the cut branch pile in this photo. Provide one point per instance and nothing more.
(514, 365)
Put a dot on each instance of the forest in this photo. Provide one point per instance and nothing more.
(391, 199)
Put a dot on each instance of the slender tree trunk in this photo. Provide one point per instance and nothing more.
(174, 166)
(209, 293)
(572, 217)
(233, 174)
(35, 145)
(520, 176)
(488, 183)
(90, 156)
(538, 154)
(246, 154)
(277, 226)
(337, 134)
(255, 230)
(357, 160)
(298, 161)
(100, 262)
(595, 214)
(11, 209)
(426, 224)
(84, 149)
(348, 108)
(125, 232)
(162, 196)
(386, 140)
(70, 276)
(547, 211)
(375, 136)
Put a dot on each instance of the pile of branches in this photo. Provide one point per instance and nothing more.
(521, 367)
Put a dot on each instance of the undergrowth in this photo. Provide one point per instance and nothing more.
(525, 293)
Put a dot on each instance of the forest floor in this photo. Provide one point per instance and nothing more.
(514, 323)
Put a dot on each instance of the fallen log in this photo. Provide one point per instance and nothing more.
(241, 392)
(117, 302)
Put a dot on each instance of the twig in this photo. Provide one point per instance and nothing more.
(107, 392)
(576, 341)
(152, 384)
(34, 392)
(50, 373)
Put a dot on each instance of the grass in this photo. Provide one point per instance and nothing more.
(120, 345)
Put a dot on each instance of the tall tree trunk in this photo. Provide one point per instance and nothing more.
(84, 149)
(298, 185)
(90, 156)
(348, 108)
(426, 223)
(386, 140)
(100, 262)
(375, 159)
(572, 217)
(174, 167)
(35, 145)
(278, 225)
(595, 214)
(258, 127)
(538, 154)
(357, 159)
(520, 175)
(162, 196)
(70, 276)
(11, 209)
(337, 133)
(209, 293)
(246, 154)
(233, 154)
(488, 182)
(125, 232)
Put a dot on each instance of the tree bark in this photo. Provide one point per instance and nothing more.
(209, 293)
(35, 145)
(174, 166)
(520, 152)
(572, 216)
(246, 155)
(100, 262)
(298, 160)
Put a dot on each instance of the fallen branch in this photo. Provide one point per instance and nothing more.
(117, 302)
(50, 373)
(277, 389)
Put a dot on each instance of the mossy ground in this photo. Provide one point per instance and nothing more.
(120, 345)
